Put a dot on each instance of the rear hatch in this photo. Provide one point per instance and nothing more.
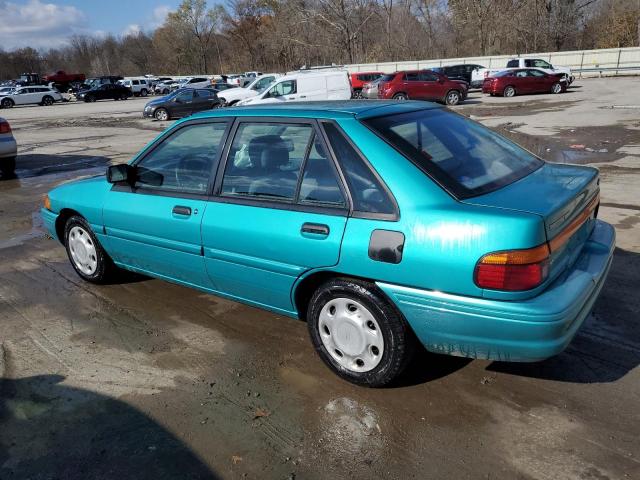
(565, 196)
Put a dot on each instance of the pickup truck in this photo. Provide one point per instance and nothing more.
(478, 75)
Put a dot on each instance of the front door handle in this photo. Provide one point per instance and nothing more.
(315, 229)
(180, 210)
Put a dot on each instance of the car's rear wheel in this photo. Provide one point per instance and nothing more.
(161, 114)
(86, 255)
(47, 100)
(509, 91)
(124, 96)
(165, 91)
(401, 96)
(8, 166)
(7, 103)
(452, 98)
(358, 333)
(556, 88)
(357, 94)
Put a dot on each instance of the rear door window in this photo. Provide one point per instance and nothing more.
(463, 156)
(265, 160)
(514, 64)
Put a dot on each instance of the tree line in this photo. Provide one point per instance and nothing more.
(281, 35)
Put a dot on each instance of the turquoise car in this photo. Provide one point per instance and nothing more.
(384, 225)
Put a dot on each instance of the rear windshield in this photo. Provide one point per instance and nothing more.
(466, 158)
(504, 73)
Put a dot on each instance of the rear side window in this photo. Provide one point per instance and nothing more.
(515, 64)
(388, 77)
(367, 192)
(463, 156)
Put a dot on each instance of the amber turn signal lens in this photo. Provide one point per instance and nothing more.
(47, 202)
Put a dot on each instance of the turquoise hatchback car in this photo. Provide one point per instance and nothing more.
(382, 224)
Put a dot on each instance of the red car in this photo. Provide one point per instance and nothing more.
(358, 80)
(422, 85)
(524, 80)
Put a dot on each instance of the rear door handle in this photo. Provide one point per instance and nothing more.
(180, 210)
(315, 229)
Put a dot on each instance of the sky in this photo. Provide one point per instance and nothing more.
(49, 23)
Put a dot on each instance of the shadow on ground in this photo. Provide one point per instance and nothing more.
(607, 346)
(51, 431)
(34, 165)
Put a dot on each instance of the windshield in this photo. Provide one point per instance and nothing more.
(466, 158)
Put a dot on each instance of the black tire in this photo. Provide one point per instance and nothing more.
(161, 114)
(105, 269)
(47, 100)
(509, 91)
(89, 99)
(8, 166)
(144, 92)
(357, 94)
(452, 97)
(7, 103)
(399, 340)
(401, 96)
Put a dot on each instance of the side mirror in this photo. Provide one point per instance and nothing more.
(120, 173)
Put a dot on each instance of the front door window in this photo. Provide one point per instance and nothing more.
(184, 161)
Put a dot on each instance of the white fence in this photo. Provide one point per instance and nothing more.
(610, 61)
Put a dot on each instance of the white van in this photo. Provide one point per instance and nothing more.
(305, 87)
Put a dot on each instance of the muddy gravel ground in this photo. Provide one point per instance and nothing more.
(145, 379)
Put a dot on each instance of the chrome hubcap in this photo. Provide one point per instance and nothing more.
(83, 250)
(162, 115)
(556, 88)
(453, 98)
(351, 334)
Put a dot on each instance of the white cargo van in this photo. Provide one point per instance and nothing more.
(305, 87)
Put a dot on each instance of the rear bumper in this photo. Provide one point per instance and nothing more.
(517, 331)
(8, 147)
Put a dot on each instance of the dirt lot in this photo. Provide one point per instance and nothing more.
(145, 379)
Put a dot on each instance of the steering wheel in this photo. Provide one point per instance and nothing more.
(198, 170)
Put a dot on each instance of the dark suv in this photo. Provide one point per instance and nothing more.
(459, 72)
(422, 85)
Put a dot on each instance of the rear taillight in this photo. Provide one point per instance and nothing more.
(5, 127)
(513, 270)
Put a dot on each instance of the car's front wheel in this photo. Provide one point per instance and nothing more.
(401, 96)
(89, 99)
(7, 103)
(358, 333)
(556, 88)
(452, 98)
(161, 114)
(87, 256)
(144, 92)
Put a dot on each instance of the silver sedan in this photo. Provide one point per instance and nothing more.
(8, 149)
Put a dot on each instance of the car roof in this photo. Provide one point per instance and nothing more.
(360, 109)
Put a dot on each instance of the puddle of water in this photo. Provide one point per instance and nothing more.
(37, 230)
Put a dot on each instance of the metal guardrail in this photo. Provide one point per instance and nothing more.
(609, 60)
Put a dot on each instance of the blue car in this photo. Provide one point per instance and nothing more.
(384, 225)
